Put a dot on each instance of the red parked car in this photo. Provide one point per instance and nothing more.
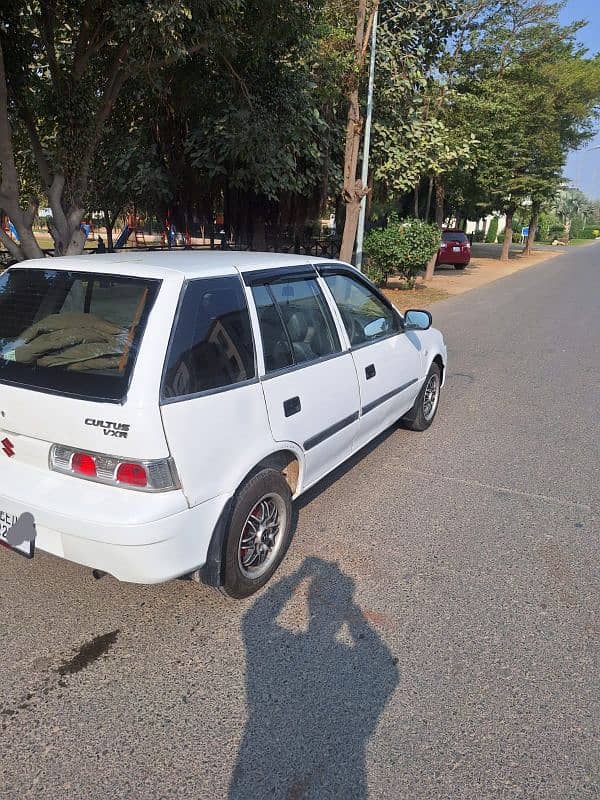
(455, 249)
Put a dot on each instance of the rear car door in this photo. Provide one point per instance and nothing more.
(212, 404)
(309, 380)
(388, 360)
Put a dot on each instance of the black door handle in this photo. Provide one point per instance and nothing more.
(370, 371)
(292, 406)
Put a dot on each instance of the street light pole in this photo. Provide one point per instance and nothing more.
(360, 234)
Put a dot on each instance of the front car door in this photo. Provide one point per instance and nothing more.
(388, 359)
(309, 380)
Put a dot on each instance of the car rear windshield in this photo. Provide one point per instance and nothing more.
(73, 333)
(454, 236)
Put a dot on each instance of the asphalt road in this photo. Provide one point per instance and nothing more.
(433, 632)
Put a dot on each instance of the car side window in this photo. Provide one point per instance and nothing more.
(211, 346)
(277, 348)
(366, 317)
(295, 323)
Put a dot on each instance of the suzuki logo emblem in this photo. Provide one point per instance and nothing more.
(8, 447)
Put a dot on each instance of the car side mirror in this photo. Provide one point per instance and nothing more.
(377, 327)
(417, 320)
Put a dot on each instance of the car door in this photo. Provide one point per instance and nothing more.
(387, 359)
(309, 380)
(212, 404)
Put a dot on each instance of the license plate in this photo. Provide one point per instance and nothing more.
(456, 249)
(18, 533)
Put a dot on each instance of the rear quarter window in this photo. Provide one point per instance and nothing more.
(454, 236)
(211, 346)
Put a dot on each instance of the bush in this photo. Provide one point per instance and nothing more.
(590, 232)
(479, 236)
(375, 274)
(549, 227)
(492, 231)
(403, 248)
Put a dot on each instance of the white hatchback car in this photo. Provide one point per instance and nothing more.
(160, 411)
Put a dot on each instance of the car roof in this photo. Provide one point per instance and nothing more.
(164, 263)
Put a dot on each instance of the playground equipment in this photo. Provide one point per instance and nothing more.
(132, 225)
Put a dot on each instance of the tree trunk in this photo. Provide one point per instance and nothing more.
(416, 198)
(533, 226)
(429, 193)
(508, 232)
(440, 196)
(430, 269)
(353, 190)
(350, 228)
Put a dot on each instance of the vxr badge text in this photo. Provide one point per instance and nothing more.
(118, 429)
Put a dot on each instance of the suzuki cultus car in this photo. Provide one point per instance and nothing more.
(159, 412)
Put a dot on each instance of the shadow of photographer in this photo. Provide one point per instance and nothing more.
(314, 696)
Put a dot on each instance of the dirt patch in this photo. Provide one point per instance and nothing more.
(448, 281)
(482, 271)
(419, 297)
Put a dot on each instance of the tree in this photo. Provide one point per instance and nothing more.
(63, 66)
(129, 169)
(529, 91)
(409, 139)
(353, 190)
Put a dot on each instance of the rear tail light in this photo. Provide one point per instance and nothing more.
(147, 476)
(132, 474)
(83, 464)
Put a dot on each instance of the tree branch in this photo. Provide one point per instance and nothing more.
(239, 79)
(36, 144)
(116, 79)
(90, 40)
(12, 247)
(10, 181)
(370, 23)
(47, 19)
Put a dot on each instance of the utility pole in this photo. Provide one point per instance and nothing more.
(360, 234)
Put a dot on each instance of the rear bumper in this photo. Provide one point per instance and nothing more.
(448, 257)
(132, 547)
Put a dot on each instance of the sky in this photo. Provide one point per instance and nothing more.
(583, 166)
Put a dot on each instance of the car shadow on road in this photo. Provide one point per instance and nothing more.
(314, 694)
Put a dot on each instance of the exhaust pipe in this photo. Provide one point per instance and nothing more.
(97, 573)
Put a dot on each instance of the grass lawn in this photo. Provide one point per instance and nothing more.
(572, 242)
(577, 242)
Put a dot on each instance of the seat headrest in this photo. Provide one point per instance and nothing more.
(297, 326)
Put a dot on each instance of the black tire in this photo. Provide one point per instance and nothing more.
(417, 418)
(268, 483)
(460, 266)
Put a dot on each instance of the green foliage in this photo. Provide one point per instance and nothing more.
(403, 248)
(590, 232)
(492, 234)
(383, 250)
(549, 226)
(410, 137)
